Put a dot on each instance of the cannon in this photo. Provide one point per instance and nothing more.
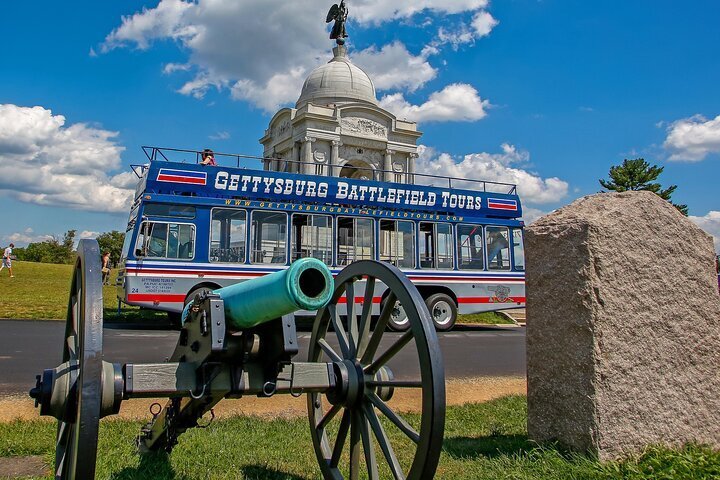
(241, 340)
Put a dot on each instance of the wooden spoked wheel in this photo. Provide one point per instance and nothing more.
(355, 430)
(77, 432)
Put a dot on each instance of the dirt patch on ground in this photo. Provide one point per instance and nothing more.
(22, 467)
(459, 391)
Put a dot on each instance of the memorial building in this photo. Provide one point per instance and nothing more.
(337, 128)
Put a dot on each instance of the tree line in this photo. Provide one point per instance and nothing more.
(62, 250)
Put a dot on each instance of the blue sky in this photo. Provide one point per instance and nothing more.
(548, 94)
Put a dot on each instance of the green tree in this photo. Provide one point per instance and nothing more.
(111, 242)
(637, 174)
(52, 250)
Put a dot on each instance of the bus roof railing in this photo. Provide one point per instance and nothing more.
(155, 154)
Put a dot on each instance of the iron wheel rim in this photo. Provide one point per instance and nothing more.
(360, 422)
(78, 431)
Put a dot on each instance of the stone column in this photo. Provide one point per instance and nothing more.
(335, 158)
(387, 166)
(307, 156)
(293, 167)
(411, 167)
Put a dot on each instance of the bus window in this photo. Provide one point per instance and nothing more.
(269, 237)
(470, 247)
(312, 237)
(126, 244)
(518, 250)
(227, 235)
(397, 243)
(166, 240)
(355, 240)
(169, 210)
(436, 245)
(498, 248)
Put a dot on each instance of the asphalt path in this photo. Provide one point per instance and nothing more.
(27, 347)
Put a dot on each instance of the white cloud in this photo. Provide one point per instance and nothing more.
(261, 50)
(59, 165)
(270, 95)
(165, 20)
(692, 139)
(377, 11)
(220, 136)
(495, 167)
(711, 224)
(26, 236)
(531, 214)
(483, 23)
(456, 102)
(87, 234)
(393, 67)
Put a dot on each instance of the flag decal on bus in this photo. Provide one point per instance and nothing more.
(182, 176)
(502, 204)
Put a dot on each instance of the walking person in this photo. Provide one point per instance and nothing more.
(106, 268)
(7, 259)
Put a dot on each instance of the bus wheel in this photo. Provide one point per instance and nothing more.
(175, 319)
(443, 311)
(193, 293)
(398, 320)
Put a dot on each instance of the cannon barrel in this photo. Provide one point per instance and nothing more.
(306, 285)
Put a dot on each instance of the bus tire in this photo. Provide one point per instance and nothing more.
(443, 311)
(175, 319)
(398, 321)
(193, 293)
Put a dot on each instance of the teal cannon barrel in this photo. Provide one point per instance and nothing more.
(306, 285)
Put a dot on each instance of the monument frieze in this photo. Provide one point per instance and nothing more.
(363, 126)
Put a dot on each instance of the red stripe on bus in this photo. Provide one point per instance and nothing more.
(155, 297)
(180, 179)
(194, 272)
(469, 279)
(490, 300)
(359, 299)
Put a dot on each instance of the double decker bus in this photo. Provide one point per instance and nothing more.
(194, 227)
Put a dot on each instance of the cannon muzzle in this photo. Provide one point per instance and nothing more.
(306, 285)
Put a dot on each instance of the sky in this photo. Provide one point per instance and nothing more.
(547, 94)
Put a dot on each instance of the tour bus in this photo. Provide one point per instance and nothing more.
(194, 227)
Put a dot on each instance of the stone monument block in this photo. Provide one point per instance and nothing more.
(623, 342)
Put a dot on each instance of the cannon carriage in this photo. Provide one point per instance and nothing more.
(241, 340)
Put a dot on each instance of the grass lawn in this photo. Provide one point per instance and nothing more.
(39, 291)
(486, 440)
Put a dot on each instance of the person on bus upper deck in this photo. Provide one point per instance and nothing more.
(208, 158)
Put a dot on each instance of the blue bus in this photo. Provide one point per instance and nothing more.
(195, 227)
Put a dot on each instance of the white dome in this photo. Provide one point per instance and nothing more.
(337, 81)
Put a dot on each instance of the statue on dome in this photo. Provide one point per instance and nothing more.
(338, 13)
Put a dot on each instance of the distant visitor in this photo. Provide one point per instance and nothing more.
(7, 259)
(208, 158)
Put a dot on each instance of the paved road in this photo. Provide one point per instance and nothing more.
(27, 347)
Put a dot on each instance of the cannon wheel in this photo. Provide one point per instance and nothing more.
(77, 432)
(358, 348)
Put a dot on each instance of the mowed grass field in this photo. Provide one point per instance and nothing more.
(39, 291)
(482, 441)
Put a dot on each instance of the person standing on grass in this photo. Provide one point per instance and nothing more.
(7, 259)
(106, 268)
